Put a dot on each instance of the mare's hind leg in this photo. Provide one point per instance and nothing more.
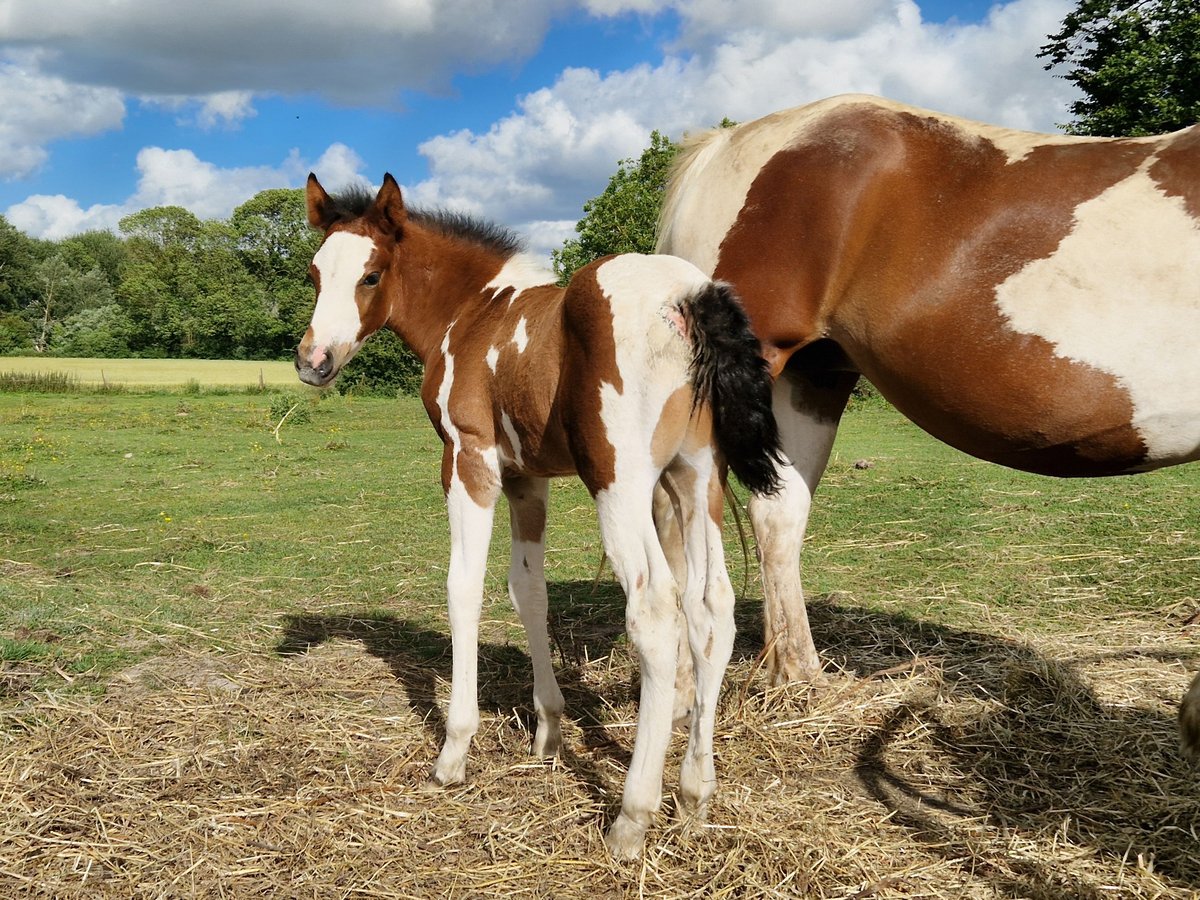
(527, 590)
(808, 415)
(708, 613)
(627, 530)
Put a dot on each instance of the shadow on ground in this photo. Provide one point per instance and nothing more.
(1000, 737)
(1032, 749)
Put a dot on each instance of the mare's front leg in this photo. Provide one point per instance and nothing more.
(808, 414)
(472, 483)
(527, 500)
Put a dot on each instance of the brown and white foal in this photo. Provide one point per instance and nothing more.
(641, 372)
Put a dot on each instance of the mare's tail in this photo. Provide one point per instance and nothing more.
(729, 373)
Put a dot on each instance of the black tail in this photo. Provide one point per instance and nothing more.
(729, 373)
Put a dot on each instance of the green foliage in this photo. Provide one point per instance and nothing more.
(103, 331)
(1136, 61)
(384, 366)
(623, 219)
(16, 333)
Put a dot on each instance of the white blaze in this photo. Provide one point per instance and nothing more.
(341, 262)
(1121, 293)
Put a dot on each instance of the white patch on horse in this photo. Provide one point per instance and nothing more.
(493, 357)
(1121, 293)
(513, 439)
(341, 262)
(520, 272)
(520, 336)
(652, 357)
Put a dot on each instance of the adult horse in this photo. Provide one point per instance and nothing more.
(641, 372)
(1031, 299)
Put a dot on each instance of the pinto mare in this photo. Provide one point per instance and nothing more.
(642, 371)
(1031, 299)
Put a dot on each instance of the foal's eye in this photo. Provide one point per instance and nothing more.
(371, 280)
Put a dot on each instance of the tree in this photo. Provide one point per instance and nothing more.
(623, 219)
(19, 256)
(1136, 61)
(63, 291)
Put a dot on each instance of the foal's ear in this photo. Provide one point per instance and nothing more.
(389, 205)
(319, 204)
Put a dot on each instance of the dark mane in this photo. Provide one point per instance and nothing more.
(354, 201)
(494, 237)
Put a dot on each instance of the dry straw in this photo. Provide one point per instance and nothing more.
(932, 762)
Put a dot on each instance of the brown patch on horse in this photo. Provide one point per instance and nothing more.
(1177, 170)
(529, 519)
(889, 232)
(672, 426)
(591, 352)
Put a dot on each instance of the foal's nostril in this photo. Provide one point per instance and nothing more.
(324, 367)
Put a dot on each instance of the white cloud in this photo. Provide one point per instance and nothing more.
(562, 143)
(180, 178)
(38, 109)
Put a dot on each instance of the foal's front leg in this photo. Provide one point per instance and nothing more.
(471, 512)
(527, 499)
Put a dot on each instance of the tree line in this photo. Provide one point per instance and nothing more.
(168, 285)
(172, 285)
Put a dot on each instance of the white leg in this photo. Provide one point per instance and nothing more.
(709, 613)
(627, 528)
(470, 534)
(670, 536)
(808, 418)
(527, 500)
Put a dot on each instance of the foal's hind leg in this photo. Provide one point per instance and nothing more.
(708, 602)
(527, 589)
(666, 523)
(627, 529)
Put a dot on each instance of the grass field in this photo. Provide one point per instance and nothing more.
(224, 656)
(143, 373)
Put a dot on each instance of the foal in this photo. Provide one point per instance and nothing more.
(641, 372)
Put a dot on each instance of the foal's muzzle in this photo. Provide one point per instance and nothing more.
(318, 375)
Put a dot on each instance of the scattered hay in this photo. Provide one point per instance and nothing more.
(934, 762)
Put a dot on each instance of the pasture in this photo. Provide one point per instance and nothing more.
(158, 373)
(225, 662)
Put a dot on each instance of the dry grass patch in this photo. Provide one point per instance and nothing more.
(934, 762)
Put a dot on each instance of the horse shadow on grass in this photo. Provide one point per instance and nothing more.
(586, 622)
(1031, 748)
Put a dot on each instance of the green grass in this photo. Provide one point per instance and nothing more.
(134, 524)
(144, 373)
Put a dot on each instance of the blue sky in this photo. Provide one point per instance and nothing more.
(516, 110)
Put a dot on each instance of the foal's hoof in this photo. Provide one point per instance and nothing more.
(444, 776)
(625, 838)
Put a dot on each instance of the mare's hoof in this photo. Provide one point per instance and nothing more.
(547, 747)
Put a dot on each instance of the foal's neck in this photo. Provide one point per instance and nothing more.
(444, 280)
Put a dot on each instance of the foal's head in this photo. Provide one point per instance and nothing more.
(351, 274)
